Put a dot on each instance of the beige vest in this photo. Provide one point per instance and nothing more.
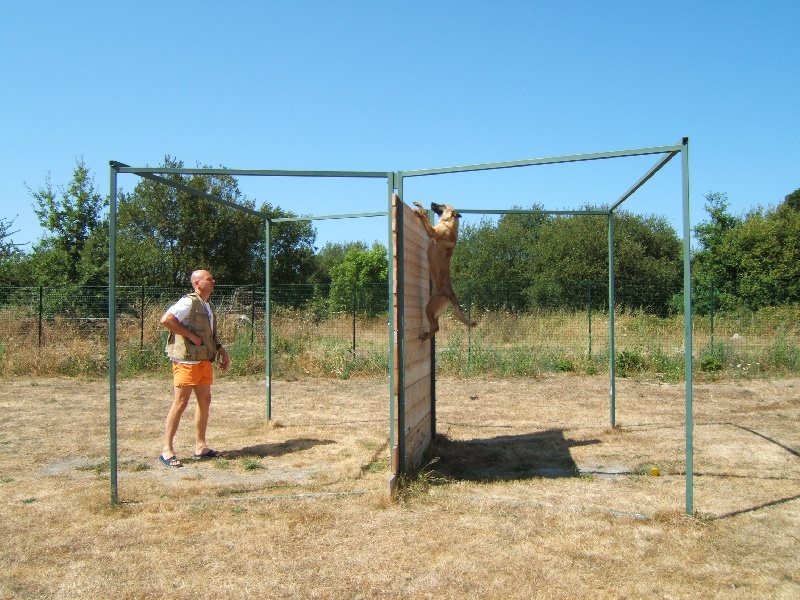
(181, 348)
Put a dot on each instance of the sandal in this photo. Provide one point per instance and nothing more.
(172, 461)
(207, 453)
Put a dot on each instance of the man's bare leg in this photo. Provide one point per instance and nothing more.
(202, 394)
(179, 404)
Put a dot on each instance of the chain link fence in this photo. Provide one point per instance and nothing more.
(342, 331)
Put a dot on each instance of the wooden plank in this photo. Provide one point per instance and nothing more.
(418, 414)
(418, 402)
(417, 359)
(418, 370)
(418, 353)
(418, 441)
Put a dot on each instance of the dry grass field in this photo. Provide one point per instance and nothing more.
(533, 494)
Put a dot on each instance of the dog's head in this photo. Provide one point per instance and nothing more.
(445, 211)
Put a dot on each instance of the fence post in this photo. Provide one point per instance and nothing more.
(354, 317)
(40, 315)
(252, 314)
(711, 303)
(590, 319)
(141, 322)
(469, 329)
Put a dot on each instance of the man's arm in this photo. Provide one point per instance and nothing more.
(171, 323)
(224, 358)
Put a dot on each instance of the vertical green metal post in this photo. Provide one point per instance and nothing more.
(268, 316)
(611, 345)
(687, 311)
(112, 334)
(400, 359)
(391, 323)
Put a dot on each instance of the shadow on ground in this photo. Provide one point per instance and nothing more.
(507, 458)
(279, 449)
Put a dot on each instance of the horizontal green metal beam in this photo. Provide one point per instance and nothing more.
(122, 168)
(323, 217)
(543, 161)
(484, 211)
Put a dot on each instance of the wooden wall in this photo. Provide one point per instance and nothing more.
(417, 379)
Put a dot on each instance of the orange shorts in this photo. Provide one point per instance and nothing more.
(200, 374)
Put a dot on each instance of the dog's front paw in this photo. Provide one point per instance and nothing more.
(421, 208)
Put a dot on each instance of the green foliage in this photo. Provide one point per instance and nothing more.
(292, 257)
(86, 365)
(782, 355)
(544, 261)
(135, 360)
(331, 255)
(72, 251)
(351, 279)
(12, 271)
(630, 362)
(251, 464)
(165, 234)
(792, 201)
(499, 254)
(713, 358)
(750, 262)
(712, 234)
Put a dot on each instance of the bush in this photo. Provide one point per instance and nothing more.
(713, 358)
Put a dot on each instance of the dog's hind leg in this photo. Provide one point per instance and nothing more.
(433, 310)
(433, 327)
(459, 313)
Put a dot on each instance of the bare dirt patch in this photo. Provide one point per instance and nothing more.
(533, 493)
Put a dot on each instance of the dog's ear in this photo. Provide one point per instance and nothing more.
(437, 208)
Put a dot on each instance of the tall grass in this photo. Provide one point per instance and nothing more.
(503, 344)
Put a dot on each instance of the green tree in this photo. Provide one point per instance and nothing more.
(768, 244)
(74, 217)
(715, 264)
(572, 250)
(496, 260)
(365, 272)
(792, 201)
(542, 260)
(165, 233)
(332, 254)
(292, 255)
(748, 262)
(649, 262)
(12, 258)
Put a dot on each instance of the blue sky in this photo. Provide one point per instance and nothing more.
(391, 86)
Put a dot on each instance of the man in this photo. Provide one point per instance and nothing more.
(192, 346)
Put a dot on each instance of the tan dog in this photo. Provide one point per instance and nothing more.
(440, 250)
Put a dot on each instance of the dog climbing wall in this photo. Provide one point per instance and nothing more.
(415, 419)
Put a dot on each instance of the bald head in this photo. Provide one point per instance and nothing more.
(203, 283)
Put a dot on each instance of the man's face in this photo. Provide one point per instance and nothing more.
(204, 283)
